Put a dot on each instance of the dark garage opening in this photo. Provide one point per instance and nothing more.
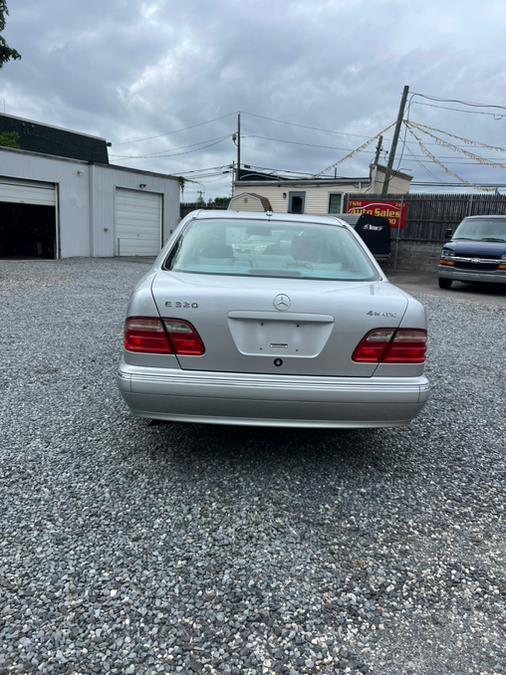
(27, 231)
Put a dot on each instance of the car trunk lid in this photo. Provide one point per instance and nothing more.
(273, 325)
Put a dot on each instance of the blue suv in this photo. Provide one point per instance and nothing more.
(476, 252)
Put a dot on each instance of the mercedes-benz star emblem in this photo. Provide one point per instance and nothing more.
(282, 302)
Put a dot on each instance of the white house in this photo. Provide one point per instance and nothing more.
(316, 195)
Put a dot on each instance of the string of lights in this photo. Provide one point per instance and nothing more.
(437, 161)
(467, 141)
(467, 153)
(360, 148)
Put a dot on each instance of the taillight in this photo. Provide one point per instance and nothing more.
(408, 346)
(146, 336)
(388, 345)
(162, 336)
(183, 337)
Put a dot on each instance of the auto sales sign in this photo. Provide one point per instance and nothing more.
(396, 212)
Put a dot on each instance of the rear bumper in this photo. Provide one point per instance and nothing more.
(491, 276)
(271, 400)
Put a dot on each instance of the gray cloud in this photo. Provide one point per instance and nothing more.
(127, 70)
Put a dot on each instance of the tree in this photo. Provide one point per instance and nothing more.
(219, 202)
(6, 52)
(9, 139)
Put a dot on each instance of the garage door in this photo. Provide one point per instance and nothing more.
(27, 192)
(138, 222)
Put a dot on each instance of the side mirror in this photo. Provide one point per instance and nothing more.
(448, 233)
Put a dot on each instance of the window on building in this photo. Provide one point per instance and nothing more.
(335, 202)
(296, 202)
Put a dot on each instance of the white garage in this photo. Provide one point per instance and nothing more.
(27, 192)
(28, 219)
(57, 207)
(138, 222)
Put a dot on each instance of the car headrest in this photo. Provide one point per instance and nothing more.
(311, 247)
(216, 247)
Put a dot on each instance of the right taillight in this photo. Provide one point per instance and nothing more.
(146, 335)
(390, 345)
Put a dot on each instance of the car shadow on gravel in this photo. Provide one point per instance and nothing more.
(187, 446)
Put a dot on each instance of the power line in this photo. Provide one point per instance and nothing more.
(447, 100)
(164, 152)
(496, 116)
(449, 184)
(310, 145)
(421, 162)
(459, 101)
(207, 175)
(176, 131)
(304, 126)
(176, 154)
(265, 168)
(332, 147)
(209, 168)
(285, 140)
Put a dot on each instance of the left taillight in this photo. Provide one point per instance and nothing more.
(147, 335)
(390, 345)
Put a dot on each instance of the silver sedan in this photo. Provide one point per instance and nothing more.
(272, 320)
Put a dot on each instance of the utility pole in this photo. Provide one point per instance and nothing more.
(238, 171)
(395, 139)
(379, 148)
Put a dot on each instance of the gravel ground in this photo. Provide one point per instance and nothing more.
(129, 548)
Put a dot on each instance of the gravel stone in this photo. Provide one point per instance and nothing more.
(134, 548)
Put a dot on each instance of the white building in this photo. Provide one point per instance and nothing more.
(57, 207)
(317, 195)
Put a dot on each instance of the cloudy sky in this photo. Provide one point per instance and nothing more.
(163, 81)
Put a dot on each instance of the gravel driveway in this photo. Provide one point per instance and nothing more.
(129, 548)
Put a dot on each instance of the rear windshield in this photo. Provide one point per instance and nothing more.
(482, 229)
(270, 249)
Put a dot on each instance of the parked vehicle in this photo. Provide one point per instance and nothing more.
(476, 252)
(274, 320)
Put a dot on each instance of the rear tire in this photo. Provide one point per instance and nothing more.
(445, 283)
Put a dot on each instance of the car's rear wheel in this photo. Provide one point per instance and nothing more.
(445, 283)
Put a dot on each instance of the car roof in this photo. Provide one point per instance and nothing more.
(491, 215)
(268, 216)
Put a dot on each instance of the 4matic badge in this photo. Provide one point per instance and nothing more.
(391, 315)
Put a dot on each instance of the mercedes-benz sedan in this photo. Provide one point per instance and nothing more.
(274, 320)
